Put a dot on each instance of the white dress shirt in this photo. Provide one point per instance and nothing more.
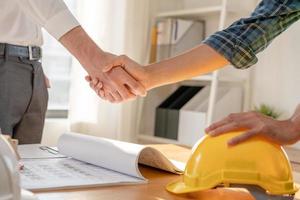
(21, 20)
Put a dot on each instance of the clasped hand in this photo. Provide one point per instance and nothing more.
(121, 79)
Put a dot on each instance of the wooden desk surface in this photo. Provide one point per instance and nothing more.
(155, 189)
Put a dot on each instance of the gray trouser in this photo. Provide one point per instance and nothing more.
(23, 99)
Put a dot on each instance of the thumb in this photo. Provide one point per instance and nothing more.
(118, 62)
(107, 68)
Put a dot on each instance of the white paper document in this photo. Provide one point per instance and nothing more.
(37, 151)
(89, 161)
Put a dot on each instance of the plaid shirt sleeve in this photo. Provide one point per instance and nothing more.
(242, 40)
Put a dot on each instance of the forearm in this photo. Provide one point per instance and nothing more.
(80, 45)
(200, 60)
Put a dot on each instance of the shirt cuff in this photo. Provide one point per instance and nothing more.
(61, 23)
(238, 53)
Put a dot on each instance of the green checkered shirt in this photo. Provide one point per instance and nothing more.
(242, 40)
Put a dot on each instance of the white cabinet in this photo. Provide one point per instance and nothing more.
(192, 118)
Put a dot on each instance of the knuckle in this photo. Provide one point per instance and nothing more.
(212, 126)
(254, 114)
(117, 97)
(250, 133)
(135, 85)
(117, 101)
(232, 117)
(235, 124)
(264, 128)
(123, 58)
(125, 96)
(261, 128)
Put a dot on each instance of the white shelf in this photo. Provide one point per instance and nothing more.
(192, 13)
(154, 139)
(203, 13)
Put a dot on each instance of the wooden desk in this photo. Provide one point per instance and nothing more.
(155, 189)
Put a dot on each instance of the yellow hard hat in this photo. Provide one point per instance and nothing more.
(254, 162)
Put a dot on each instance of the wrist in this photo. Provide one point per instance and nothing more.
(155, 76)
(90, 55)
(80, 45)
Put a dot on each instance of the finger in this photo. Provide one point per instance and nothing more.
(116, 96)
(99, 86)
(105, 93)
(218, 124)
(101, 93)
(129, 82)
(47, 81)
(136, 87)
(238, 118)
(88, 78)
(124, 92)
(224, 129)
(243, 137)
(91, 85)
(95, 81)
(110, 98)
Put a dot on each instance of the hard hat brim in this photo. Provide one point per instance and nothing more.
(179, 187)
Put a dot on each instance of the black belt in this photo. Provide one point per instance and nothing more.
(29, 52)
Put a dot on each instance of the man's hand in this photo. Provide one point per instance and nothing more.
(280, 132)
(93, 59)
(115, 72)
(115, 86)
(47, 82)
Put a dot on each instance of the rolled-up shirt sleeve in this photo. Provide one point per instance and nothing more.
(53, 15)
(241, 41)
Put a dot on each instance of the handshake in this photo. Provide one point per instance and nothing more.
(118, 79)
(113, 78)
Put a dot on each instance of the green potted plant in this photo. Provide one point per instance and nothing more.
(268, 110)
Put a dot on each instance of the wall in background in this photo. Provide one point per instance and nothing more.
(277, 74)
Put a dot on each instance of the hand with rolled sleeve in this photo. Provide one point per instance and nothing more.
(282, 132)
(137, 71)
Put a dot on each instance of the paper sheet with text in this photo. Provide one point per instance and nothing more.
(83, 161)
